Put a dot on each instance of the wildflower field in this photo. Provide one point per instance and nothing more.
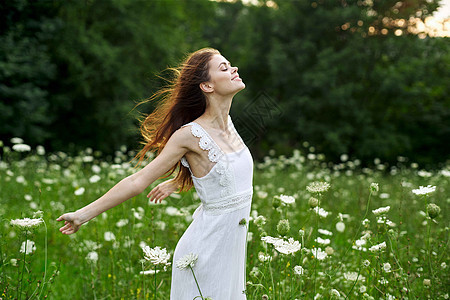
(316, 231)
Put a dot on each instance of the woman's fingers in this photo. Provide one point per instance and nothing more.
(65, 228)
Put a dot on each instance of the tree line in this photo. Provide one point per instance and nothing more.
(334, 73)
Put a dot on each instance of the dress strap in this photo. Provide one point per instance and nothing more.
(206, 142)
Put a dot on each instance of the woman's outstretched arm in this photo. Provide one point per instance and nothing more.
(130, 186)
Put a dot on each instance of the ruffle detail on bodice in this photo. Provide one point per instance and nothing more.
(221, 189)
(216, 155)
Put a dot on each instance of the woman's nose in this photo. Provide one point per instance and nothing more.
(235, 69)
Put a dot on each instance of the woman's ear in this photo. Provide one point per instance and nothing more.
(206, 87)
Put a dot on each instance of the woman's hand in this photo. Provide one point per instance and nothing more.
(163, 190)
(71, 223)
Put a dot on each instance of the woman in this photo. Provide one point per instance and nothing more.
(192, 132)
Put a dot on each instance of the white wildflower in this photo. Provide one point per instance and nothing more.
(263, 258)
(254, 272)
(423, 173)
(361, 242)
(27, 247)
(94, 179)
(374, 187)
(362, 289)
(156, 256)
(262, 194)
(288, 247)
(353, 276)
(287, 199)
(319, 254)
(321, 212)
(96, 169)
(383, 281)
(16, 140)
(172, 211)
(26, 223)
(329, 250)
(186, 261)
(422, 190)
(340, 226)
(387, 267)
(299, 270)
(378, 247)
(21, 148)
(259, 220)
(149, 272)
(384, 196)
(122, 222)
(384, 220)
(318, 187)
(109, 236)
(20, 179)
(79, 191)
(381, 210)
(390, 297)
(92, 257)
(324, 232)
(13, 262)
(321, 241)
(270, 239)
(48, 181)
(335, 293)
(40, 150)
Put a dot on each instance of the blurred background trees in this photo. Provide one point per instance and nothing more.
(353, 77)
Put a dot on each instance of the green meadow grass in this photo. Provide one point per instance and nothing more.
(104, 259)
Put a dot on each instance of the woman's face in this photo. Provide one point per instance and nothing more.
(224, 79)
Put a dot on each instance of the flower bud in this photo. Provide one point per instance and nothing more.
(276, 201)
(283, 227)
(259, 221)
(38, 214)
(265, 297)
(427, 282)
(313, 202)
(374, 187)
(329, 250)
(301, 232)
(433, 210)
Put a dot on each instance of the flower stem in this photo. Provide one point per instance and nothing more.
(155, 282)
(45, 263)
(196, 281)
(19, 292)
(143, 280)
(315, 236)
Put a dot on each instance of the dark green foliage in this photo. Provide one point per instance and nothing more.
(72, 71)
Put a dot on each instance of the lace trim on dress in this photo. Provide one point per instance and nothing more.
(228, 204)
(215, 154)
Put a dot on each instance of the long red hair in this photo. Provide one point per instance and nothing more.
(181, 102)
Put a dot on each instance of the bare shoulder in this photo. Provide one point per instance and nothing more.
(184, 138)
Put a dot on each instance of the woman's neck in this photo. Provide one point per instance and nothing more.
(216, 113)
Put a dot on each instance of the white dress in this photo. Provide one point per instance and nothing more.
(215, 234)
